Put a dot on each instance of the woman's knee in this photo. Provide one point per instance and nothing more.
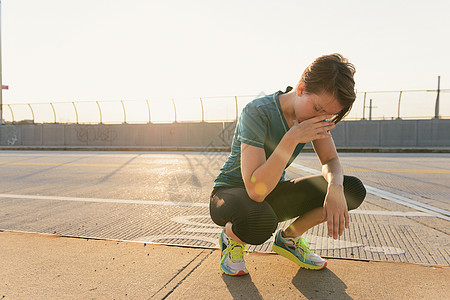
(355, 192)
(256, 225)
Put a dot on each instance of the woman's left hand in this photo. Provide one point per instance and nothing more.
(335, 210)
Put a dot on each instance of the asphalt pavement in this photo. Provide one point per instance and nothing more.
(135, 225)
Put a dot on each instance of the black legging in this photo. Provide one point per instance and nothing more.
(255, 222)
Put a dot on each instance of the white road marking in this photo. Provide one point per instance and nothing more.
(429, 209)
(390, 213)
(306, 169)
(191, 204)
(156, 238)
(385, 249)
(168, 203)
(315, 242)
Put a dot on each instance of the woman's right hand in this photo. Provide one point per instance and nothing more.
(311, 129)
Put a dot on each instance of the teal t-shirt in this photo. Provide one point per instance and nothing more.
(261, 124)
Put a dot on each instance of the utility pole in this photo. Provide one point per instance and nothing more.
(436, 106)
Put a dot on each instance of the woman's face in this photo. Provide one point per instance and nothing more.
(311, 105)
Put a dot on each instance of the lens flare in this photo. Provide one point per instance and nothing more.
(260, 188)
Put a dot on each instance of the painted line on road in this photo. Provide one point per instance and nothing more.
(101, 200)
(429, 209)
(390, 213)
(398, 171)
(150, 165)
(207, 165)
(191, 204)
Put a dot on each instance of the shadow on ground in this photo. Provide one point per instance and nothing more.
(323, 284)
(241, 287)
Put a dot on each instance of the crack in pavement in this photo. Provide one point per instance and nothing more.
(184, 272)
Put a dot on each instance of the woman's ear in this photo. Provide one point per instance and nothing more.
(300, 89)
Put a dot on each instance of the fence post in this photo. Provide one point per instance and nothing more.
(236, 103)
(398, 109)
(149, 115)
(364, 106)
(76, 112)
(203, 111)
(32, 112)
(12, 114)
(54, 112)
(124, 113)
(100, 111)
(436, 106)
(174, 110)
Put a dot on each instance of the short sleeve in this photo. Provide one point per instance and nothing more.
(252, 127)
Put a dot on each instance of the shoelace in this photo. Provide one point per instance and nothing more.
(236, 250)
(303, 244)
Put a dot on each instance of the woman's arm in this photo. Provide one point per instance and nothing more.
(260, 175)
(335, 205)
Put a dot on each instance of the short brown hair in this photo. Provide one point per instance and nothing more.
(332, 74)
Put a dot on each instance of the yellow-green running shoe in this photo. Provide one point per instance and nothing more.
(232, 258)
(297, 250)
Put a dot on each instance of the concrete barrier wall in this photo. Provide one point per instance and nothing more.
(348, 134)
(134, 135)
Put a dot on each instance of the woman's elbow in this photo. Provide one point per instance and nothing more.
(257, 197)
(256, 190)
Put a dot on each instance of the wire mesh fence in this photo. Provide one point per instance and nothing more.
(408, 104)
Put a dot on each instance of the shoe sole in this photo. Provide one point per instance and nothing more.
(292, 257)
(240, 273)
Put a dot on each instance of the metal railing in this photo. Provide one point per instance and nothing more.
(405, 104)
(435, 105)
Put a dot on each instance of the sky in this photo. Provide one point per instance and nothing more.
(89, 50)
